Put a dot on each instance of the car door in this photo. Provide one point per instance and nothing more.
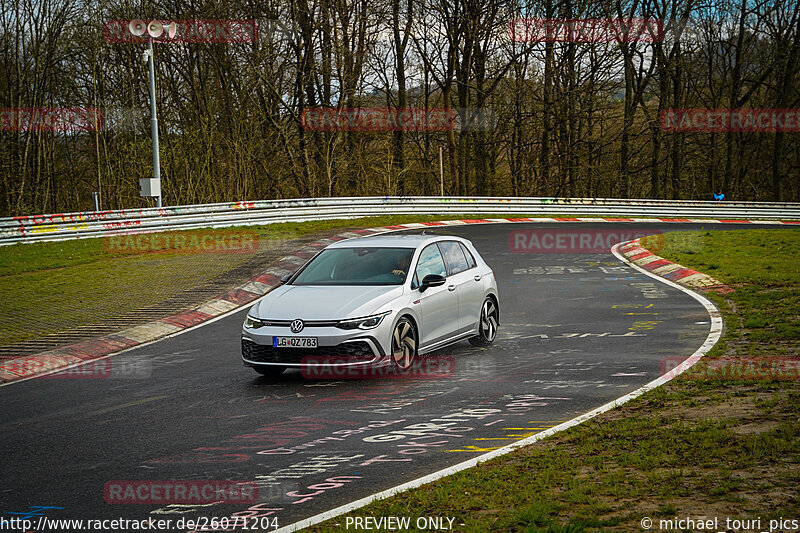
(474, 291)
(437, 305)
(463, 274)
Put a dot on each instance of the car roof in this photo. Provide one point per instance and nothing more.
(404, 240)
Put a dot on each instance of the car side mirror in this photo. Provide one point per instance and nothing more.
(432, 280)
(285, 278)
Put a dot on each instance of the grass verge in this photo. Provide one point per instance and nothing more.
(704, 445)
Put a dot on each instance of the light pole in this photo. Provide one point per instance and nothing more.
(151, 187)
(156, 188)
(441, 174)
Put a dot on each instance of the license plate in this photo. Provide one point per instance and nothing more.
(294, 342)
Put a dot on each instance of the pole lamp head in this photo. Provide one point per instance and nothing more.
(137, 28)
(155, 29)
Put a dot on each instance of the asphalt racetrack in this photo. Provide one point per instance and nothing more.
(577, 330)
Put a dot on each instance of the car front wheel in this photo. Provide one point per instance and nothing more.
(487, 326)
(404, 344)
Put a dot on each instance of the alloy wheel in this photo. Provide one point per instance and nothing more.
(404, 344)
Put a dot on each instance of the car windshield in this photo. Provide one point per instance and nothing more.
(357, 266)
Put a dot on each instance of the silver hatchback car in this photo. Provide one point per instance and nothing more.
(374, 300)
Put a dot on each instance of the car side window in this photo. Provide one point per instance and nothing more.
(430, 262)
(470, 258)
(454, 256)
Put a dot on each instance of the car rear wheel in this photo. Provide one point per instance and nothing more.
(404, 344)
(487, 326)
(269, 370)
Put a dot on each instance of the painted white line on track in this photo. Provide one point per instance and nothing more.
(715, 332)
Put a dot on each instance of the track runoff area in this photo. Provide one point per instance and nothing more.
(197, 442)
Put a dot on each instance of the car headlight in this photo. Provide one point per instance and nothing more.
(367, 322)
(251, 322)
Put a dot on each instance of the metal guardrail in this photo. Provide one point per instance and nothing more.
(55, 227)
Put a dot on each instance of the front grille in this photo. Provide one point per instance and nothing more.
(306, 323)
(353, 351)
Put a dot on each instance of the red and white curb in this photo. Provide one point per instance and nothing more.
(23, 368)
(636, 254)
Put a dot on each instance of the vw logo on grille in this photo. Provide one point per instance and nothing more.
(297, 326)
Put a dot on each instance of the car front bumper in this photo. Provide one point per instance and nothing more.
(334, 345)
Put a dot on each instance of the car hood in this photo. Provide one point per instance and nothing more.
(288, 302)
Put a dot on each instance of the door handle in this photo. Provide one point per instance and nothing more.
(451, 288)
(477, 278)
